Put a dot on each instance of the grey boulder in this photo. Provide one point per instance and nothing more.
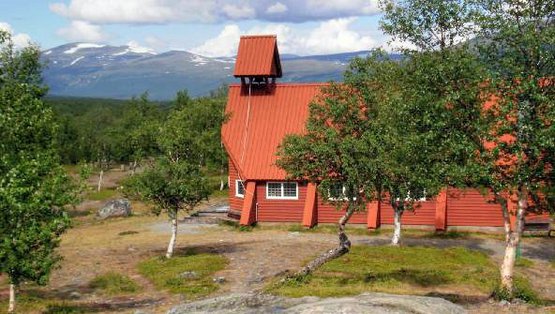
(115, 208)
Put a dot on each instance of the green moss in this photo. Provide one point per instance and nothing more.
(395, 270)
(113, 283)
(167, 273)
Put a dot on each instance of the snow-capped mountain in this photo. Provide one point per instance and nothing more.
(92, 70)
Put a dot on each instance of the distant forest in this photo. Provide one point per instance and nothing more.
(108, 131)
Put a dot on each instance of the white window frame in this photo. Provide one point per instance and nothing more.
(282, 197)
(341, 198)
(237, 182)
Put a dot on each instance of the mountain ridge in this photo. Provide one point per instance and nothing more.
(120, 72)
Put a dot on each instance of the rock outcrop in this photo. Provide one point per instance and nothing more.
(365, 303)
(115, 208)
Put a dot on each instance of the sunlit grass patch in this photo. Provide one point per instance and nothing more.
(190, 274)
(402, 270)
(113, 283)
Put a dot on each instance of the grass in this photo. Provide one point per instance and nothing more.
(523, 291)
(165, 273)
(113, 283)
(401, 270)
(362, 230)
(102, 195)
(36, 301)
(524, 262)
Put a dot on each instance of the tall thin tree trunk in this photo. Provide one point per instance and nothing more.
(100, 180)
(506, 216)
(11, 306)
(508, 266)
(134, 167)
(398, 212)
(222, 184)
(171, 245)
(342, 249)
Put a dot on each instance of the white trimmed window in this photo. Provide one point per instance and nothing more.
(337, 192)
(239, 189)
(282, 190)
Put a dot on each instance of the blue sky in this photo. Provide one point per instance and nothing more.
(207, 27)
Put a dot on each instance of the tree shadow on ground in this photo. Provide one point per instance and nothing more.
(113, 305)
(459, 298)
(423, 278)
(542, 249)
(65, 299)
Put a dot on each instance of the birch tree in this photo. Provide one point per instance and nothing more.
(172, 186)
(518, 40)
(34, 188)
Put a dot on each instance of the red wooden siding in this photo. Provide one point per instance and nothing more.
(328, 213)
(422, 215)
(276, 210)
(235, 203)
(470, 208)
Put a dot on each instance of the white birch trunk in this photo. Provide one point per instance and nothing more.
(508, 266)
(506, 217)
(222, 184)
(100, 180)
(171, 245)
(11, 306)
(134, 167)
(397, 227)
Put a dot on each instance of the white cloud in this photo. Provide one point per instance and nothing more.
(156, 43)
(20, 40)
(351, 7)
(209, 11)
(82, 31)
(225, 44)
(277, 7)
(136, 11)
(235, 12)
(333, 36)
(134, 46)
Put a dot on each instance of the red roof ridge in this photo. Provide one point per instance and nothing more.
(290, 84)
(257, 36)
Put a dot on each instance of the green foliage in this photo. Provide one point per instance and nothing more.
(34, 188)
(196, 124)
(518, 48)
(428, 24)
(402, 270)
(167, 273)
(113, 283)
(170, 186)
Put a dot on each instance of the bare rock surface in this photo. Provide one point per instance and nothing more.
(115, 208)
(365, 303)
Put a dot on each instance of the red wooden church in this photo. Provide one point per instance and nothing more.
(262, 111)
